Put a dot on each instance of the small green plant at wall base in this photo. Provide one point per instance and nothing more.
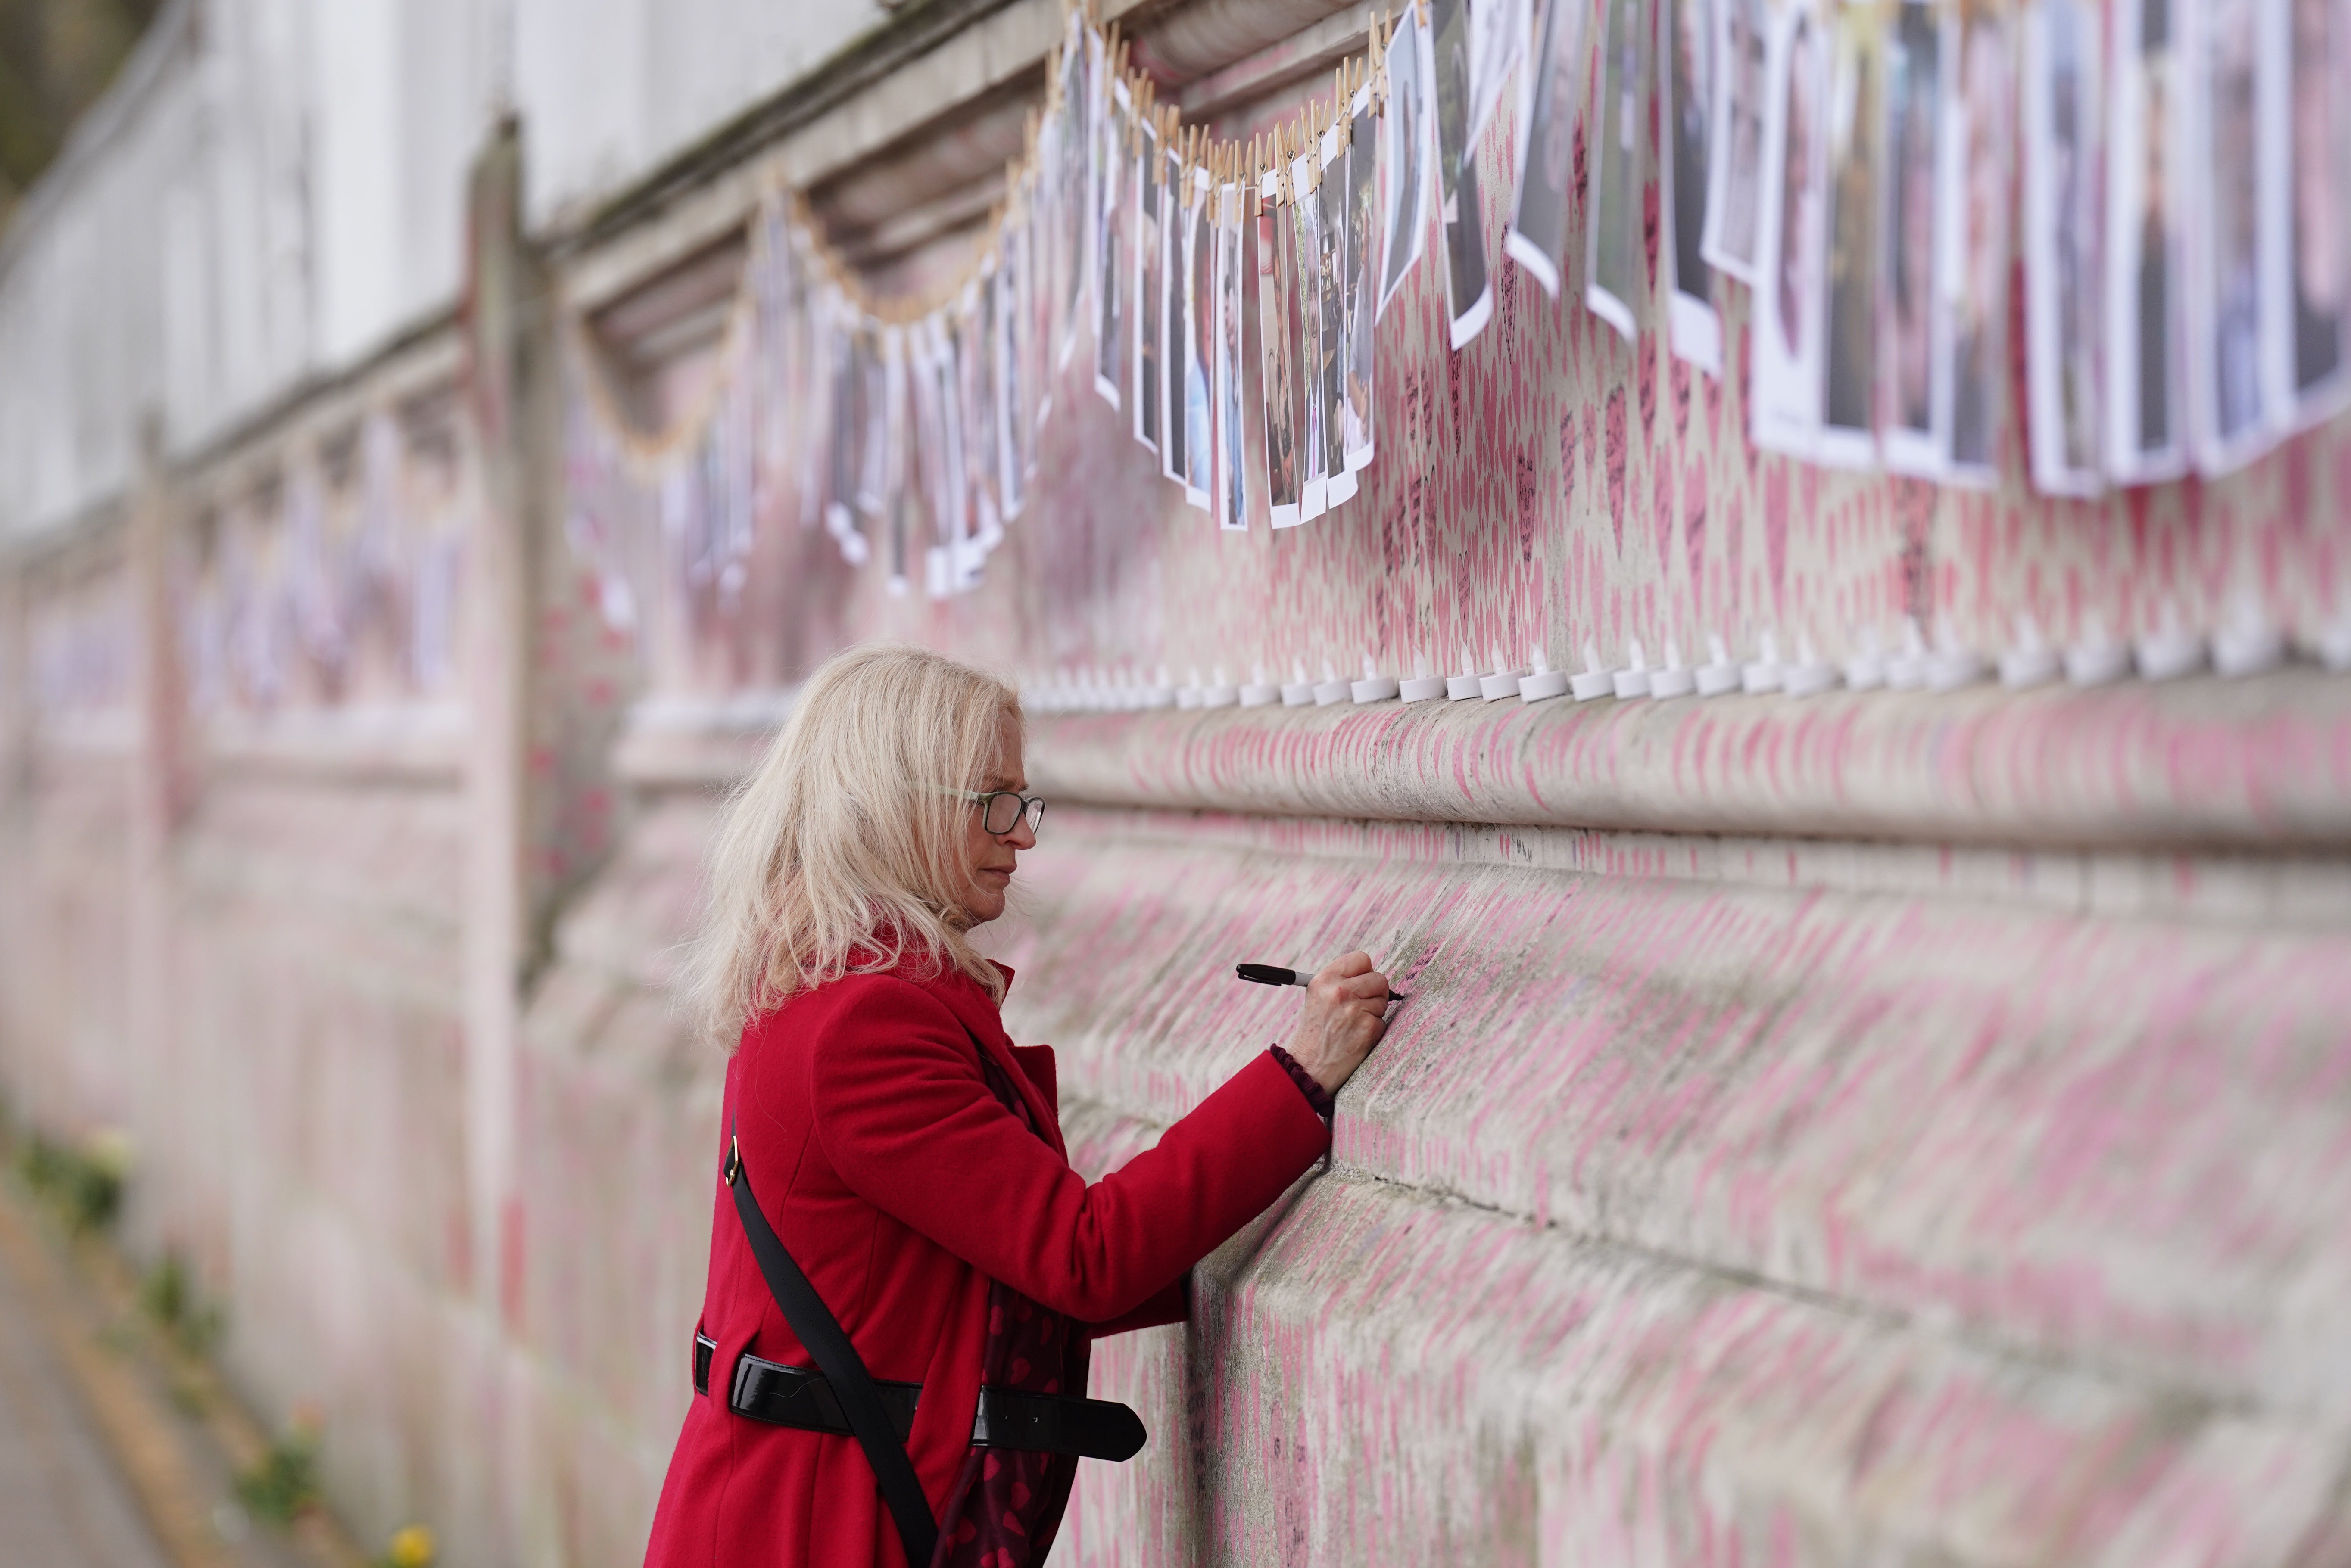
(169, 1296)
(284, 1480)
(413, 1547)
(84, 1185)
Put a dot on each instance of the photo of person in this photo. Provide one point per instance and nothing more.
(2320, 259)
(2143, 296)
(1306, 278)
(1685, 54)
(1545, 199)
(1848, 426)
(1277, 332)
(1498, 36)
(1011, 403)
(1977, 205)
(1200, 351)
(1143, 230)
(1330, 231)
(1910, 423)
(1469, 293)
(2063, 172)
(2225, 302)
(1109, 246)
(1735, 170)
(1612, 242)
(1405, 218)
(1786, 331)
(1362, 275)
(1232, 487)
(1175, 325)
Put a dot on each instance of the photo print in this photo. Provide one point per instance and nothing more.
(2229, 300)
(1912, 420)
(1199, 345)
(1306, 237)
(1848, 405)
(975, 394)
(1143, 232)
(1405, 128)
(890, 487)
(1277, 332)
(1363, 278)
(1978, 187)
(2318, 237)
(1616, 265)
(1498, 38)
(1109, 215)
(1786, 332)
(1331, 232)
(1232, 488)
(1010, 488)
(1174, 326)
(1468, 291)
(1686, 83)
(1544, 203)
(2145, 294)
(2064, 197)
(1743, 48)
(1071, 235)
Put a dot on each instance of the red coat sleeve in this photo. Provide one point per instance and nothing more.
(910, 1124)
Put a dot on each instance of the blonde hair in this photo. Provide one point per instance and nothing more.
(843, 850)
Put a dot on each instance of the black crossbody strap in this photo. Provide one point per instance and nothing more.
(814, 1323)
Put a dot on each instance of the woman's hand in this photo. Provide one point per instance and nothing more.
(1344, 1016)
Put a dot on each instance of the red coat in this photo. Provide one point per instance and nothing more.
(903, 1186)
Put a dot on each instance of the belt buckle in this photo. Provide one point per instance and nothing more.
(733, 1160)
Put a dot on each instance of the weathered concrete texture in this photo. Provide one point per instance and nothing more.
(1674, 1221)
(2263, 762)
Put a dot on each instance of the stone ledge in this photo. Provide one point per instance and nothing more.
(2259, 763)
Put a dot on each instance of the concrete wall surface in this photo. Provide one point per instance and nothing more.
(1874, 1127)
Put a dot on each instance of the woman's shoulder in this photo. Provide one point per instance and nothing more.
(883, 1002)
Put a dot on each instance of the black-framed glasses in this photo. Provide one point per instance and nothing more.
(1001, 810)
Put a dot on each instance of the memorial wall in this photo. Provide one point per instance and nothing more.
(1895, 1109)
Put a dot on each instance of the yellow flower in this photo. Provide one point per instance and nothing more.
(411, 1548)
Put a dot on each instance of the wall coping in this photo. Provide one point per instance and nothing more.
(2262, 762)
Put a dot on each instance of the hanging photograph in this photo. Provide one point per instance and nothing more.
(976, 366)
(1405, 221)
(1363, 268)
(1498, 38)
(1785, 330)
(1232, 489)
(1685, 81)
(1330, 231)
(1175, 324)
(1977, 190)
(1848, 404)
(1544, 203)
(1142, 232)
(1911, 419)
(1468, 292)
(2228, 303)
(854, 397)
(1277, 331)
(873, 410)
(1109, 215)
(1615, 267)
(2145, 339)
(2064, 165)
(894, 446)
(1199, 345)
(1735, 177)
(1071, 221)
(2318, 245)
(1011, 486)
(1306, 237)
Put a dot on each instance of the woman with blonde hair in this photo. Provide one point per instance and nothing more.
(904, 1272)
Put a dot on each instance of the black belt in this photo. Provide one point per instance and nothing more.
(1044, 1423)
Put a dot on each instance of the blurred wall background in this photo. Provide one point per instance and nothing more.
(1882, 1127)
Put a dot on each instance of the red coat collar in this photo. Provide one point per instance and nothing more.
(980, 1014)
